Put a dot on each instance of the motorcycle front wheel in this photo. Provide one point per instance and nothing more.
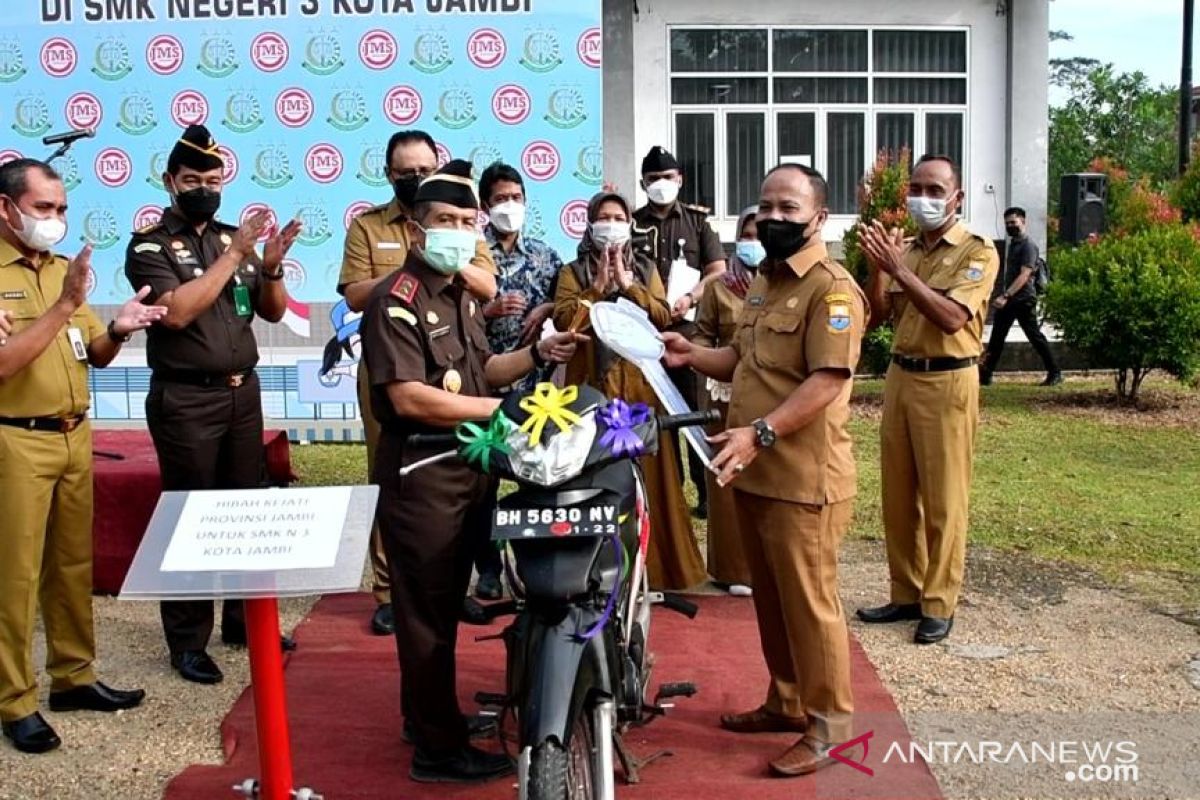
(558, 773)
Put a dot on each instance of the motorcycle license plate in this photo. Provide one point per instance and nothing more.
(550, 523)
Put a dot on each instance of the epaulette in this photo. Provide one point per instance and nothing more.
(148, 229)
(223, 226)
(705, 210)
(376, 209)
(404, 288)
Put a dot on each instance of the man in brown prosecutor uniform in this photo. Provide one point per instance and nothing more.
(935, 289)
(48, 337)
(377, 244)
(787, 452)
(431, 367)
(204, 407)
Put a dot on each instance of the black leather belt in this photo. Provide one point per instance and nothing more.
(46, 424)
(932, 364)
(230, 380)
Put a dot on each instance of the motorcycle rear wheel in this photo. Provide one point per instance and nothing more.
(558, 773)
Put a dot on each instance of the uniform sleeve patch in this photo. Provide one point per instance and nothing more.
(975, 270)
(405, 288)
(840, 320)
(838, 298)
(148, 247)
(399, 312)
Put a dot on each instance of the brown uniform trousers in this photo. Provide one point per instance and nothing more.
(377, 245)
(794, 501)
(716, 324)
(929, 424)
(46, 490)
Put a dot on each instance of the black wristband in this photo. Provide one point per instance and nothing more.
(116, 337)
(273, 276)
(538, 361)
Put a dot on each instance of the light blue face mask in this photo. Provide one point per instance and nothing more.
(751, 253)
(448, 250)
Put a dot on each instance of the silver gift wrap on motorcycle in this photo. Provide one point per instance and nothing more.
(549, 463)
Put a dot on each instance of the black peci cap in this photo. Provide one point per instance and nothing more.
(451, 184)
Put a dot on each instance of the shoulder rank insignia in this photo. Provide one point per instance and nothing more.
(705, 210)
(400, 312)
(405, 287)
(147, 247)
(151, 228)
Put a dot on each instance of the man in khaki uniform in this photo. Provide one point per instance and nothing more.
(787, 452)
(935, 289)
(377, 244)
(48, 337)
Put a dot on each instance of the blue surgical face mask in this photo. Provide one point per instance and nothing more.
(750, 252)
(448, 250)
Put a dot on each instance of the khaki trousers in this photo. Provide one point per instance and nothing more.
(792, 551)
(927, 448)
(46, 557)
(380, 579)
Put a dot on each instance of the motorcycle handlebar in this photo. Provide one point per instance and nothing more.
(432, 440)
(694, 418)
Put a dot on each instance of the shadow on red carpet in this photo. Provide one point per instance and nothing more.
(344, 699)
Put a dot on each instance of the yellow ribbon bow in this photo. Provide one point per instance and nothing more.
(548, 403)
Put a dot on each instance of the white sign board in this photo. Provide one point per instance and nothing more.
(255, 530)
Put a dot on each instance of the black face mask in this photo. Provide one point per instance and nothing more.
(781, 238)
(406, 190)
(1012, 230)
(198, 205)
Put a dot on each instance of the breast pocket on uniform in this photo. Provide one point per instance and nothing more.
(22, 315)
(446, 351)
(385, 261)
(779, 339)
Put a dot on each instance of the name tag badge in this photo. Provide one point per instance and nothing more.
(75, 337)
(389, 246)
(241, 300)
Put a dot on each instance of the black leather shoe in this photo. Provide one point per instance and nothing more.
(701, 510)
(383, 621)
(1053, 379)
(479, 726)
(473, 613)
(95, 697)
(31, 734)
(197, 667)
(237, 638)
(488, 587)
(891, 612)
(931, 630)
(468, 765)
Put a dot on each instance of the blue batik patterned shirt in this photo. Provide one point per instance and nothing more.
(531, 268)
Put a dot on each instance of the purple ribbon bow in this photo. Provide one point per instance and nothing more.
(619, 419)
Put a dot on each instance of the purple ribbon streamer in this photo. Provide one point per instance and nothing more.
(598, 626)
(619, 419)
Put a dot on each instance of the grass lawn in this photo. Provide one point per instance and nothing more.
(1059, 474)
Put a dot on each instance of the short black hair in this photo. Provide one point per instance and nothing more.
(496, 172)
(1015, 211)
(408, 137)
(815, 179)
(14, 176)
(954, 168)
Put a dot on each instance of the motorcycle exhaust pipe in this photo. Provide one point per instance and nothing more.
(523, 760)
(603, 718)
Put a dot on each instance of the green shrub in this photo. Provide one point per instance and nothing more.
(876, 351)
(1185, 194)
(1132, 303)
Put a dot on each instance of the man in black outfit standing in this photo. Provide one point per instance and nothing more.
(1018, 302)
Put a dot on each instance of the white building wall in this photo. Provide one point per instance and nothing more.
(647, 46)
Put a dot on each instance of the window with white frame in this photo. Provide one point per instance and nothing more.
(745, 99)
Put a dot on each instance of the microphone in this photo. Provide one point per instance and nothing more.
(67, 138)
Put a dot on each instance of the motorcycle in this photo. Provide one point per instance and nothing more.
(575, 534)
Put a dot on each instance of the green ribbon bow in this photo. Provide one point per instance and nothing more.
(478, 443)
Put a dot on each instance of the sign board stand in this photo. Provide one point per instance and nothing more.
(257, 545)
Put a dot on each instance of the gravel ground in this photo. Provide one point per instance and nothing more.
(1039, 653)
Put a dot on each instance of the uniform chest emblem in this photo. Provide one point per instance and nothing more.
(176, 245)
(452, 381)
(756, 300)
(974, 271)
(792, 302)
(432, 318)
(226, 239)
(947, 261)
(197, 272)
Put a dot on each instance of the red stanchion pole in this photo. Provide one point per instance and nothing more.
(270, 700)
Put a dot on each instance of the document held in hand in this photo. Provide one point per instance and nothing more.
(681, 281)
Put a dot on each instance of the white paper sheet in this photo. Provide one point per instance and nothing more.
(681, 281)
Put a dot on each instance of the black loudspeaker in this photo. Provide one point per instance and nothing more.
(1081, 200)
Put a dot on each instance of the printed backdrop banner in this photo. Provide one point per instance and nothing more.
(302, 96)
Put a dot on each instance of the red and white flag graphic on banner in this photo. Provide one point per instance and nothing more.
(296, 318)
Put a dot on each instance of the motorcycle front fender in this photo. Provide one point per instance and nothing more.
(561, 672)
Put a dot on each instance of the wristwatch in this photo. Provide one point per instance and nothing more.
(764, 432)
(116, 337)
(274, 276)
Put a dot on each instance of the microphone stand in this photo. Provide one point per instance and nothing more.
(62, 150)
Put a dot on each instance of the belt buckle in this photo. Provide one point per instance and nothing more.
(235, 381)
(68, 424)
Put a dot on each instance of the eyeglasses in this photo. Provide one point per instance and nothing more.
(408, 175)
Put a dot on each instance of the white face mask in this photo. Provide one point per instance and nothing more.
(508, 217)
(606, 233)
(929, 213)
(40, 234)
(663, 192)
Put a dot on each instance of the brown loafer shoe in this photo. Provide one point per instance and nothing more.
(760, 720)
(806, 757)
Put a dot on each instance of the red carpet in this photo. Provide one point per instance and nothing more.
(344, 703)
